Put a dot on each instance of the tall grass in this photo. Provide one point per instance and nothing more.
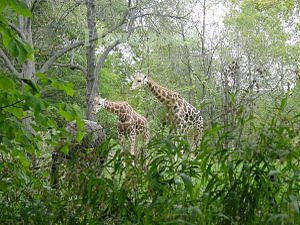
(246, 177)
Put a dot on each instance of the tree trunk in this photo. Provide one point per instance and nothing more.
(203, 28)
(28, 67)
(91, 76)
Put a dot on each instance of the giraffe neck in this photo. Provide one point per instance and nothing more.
(164, 95)
(117, 108)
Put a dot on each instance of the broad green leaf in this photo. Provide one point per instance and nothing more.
(34, 102)
(79, 135)
(30, 86)
(283, 103)
(80, 130)
(3, 5)
(295, 202)
(19, 7)
(6, 84)
(29, 50)
(23, 159)
(65, 149)
(66, 112)
(6, 39)
(3, 186)
(22, 54)
(187, 182)
(43, 78)
(17, 112)
(64, 87)
(12, 48)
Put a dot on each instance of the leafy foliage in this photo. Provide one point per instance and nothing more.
(246, 170)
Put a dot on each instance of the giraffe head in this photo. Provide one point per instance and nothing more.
(139, 80)
(98, 104)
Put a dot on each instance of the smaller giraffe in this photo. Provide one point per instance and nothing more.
(185, 116)
(130, 124)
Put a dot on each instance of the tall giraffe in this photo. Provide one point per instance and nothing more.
(185, 116)
(130, 124)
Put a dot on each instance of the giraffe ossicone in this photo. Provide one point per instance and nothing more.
(130, 124)
(185, 116)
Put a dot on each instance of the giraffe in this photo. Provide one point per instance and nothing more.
(185, 116)
(130, 124)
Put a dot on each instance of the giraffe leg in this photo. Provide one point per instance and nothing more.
(198, 138)
(132, 137)
(195, 138)
(122, 140)
(146, 136)
(199, 133)
(181, 131)
(121, 135)
(146, 139)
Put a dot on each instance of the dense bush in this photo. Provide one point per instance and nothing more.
(254, 181)
(244, 172)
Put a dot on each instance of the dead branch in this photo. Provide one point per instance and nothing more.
(9, 64)
(72, 66)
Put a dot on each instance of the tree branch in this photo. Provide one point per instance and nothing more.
(34, 4)
(6, 106)
(9, 64)
(104, 55)
(13, 26)
(59, 53)
(161, 15)
(72, 66)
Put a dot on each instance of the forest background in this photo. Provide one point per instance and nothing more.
(241, 71)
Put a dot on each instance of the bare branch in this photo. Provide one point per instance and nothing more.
(6, 106)
(72, 66)
(61, 52)
(9, 64)
(58, 54)
(104, 55)
(13, 26)
(162, 15)
(34, 4)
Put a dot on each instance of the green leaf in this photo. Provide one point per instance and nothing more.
(34, 102)
(80, 130)
(66, 112)
(65, 149)
(3, 186)
(64, 87)
(295, 203)
(30, 86)
(43, 78)
(283, 103)
(22, 54)
(79, 136)
(12, 48)
(187, 182)
(3, 4)
(19, 7)
(6, 84)
(17, 112)
(23, 159)
(29, 50)
(67, 87)
(6, 39)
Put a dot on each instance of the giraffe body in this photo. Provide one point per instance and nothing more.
(130, 123)
(185, 116)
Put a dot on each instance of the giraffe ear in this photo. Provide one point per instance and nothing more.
(102, 100)
(145, 79)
